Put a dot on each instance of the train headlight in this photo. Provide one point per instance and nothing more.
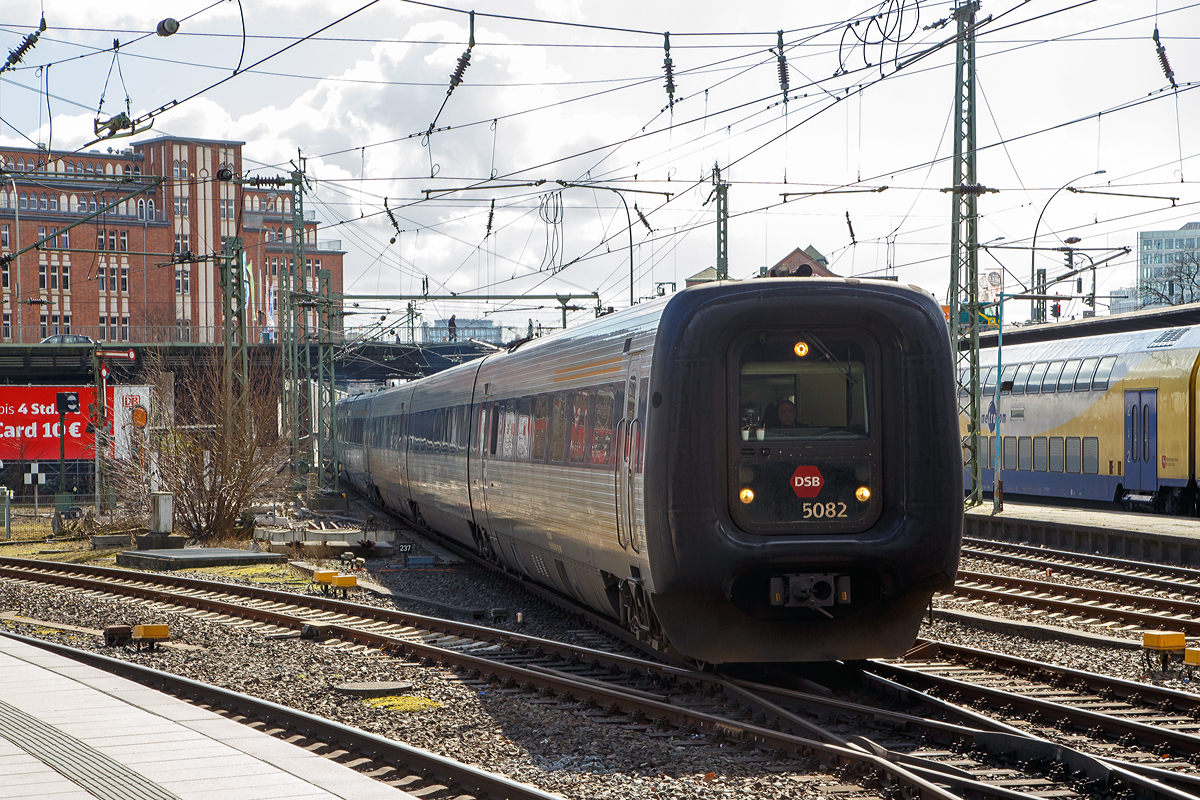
(863, 494)
(746, 495)
(801, 349)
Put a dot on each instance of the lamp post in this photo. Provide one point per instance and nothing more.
(1033, 250)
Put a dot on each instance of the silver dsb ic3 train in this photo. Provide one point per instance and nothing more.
(743, 472)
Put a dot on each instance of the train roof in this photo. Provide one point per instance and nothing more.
(1136, 321)
(1155, 340)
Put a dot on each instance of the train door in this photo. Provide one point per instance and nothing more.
(629, 434)
(1141, 440)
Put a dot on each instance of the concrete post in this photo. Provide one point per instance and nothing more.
(162, 512)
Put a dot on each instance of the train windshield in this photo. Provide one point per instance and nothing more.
(803, 386)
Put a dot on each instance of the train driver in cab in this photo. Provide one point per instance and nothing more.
(787, 414)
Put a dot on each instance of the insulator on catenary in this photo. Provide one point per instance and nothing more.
(1162, 59)
(15, 55)
(850, 225)
(642, 217)
(464, 61)
(669, 68)
(491, 216)
(784, 83)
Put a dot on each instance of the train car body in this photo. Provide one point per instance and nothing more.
(641, 463)
(1108, 417)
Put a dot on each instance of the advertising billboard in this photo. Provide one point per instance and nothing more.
(29, 428)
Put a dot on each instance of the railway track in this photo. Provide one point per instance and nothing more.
(884, 751)
(1152, 730)
(1184, 581)
(1119, 610)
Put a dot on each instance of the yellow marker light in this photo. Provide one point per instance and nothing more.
(863, 494)
(801, 349)
(747, 495)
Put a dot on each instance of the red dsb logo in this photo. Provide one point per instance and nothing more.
(807, 481)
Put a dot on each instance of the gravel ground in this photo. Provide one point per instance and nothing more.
(515, 734)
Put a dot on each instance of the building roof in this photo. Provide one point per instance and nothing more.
(703, 276)
(192, 139)
(803, 263)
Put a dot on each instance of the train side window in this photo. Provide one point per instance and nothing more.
(1009, 374)
(1036, 375)
(524, 427)
(1067, 381)
(579, 419)
(1051, 380)
(1103, 372)
(494, 430)
(1040, 454)
(1083, 381)
(989, 455)
(541, 412)
(510, 429)
(602, 427)
(1024, 453)
(1021, 379)
(987, 381)
(1073, 454)
(1056, 454)
(1010, 453)
(1091, 455)
(558, 428)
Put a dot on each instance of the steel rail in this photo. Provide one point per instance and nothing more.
(1183, 742)
(613, 698)
(378, 748)
(1118, 564)
(1077, 570)
(1110, 612)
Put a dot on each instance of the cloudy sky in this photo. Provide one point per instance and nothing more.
(574, 92)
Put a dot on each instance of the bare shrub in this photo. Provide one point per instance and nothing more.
(215, 452)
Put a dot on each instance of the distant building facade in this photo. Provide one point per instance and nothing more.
(141, 270)
(1167, 266)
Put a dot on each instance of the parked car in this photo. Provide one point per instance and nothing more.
(68, 338)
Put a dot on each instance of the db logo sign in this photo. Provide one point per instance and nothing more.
(131, 400)
(807, 481)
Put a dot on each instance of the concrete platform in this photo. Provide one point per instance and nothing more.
(72, 732)
(1139, 537)
(194, 557)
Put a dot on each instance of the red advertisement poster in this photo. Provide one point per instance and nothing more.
(29, 428)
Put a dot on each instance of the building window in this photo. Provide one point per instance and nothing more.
(3, 236)
(112, 328)
(124, 329)
(187, 245)
(274, 261)
(100, 239)
(100, 273)
(149, 209)
(66, 277)
(7, 330)
(44, 331)
(54, 324)
(41, 276)
(183, 202)
(64, 240)
(125, 279)
(141, 209)
(178, 243)
(66, 323)
(124, 241)
(20, 165)
(4, 275)
(112, 240)
(45, 203)
(24, 201)
(175, 202)
(53, 277)
(137, 170)
(183, 170)
(53, 203)
(112, 278)
(70, 167)
(91, 168)
(91, 203)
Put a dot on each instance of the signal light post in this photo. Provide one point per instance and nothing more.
(64, 403)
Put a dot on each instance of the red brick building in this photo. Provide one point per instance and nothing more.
(123, 275)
